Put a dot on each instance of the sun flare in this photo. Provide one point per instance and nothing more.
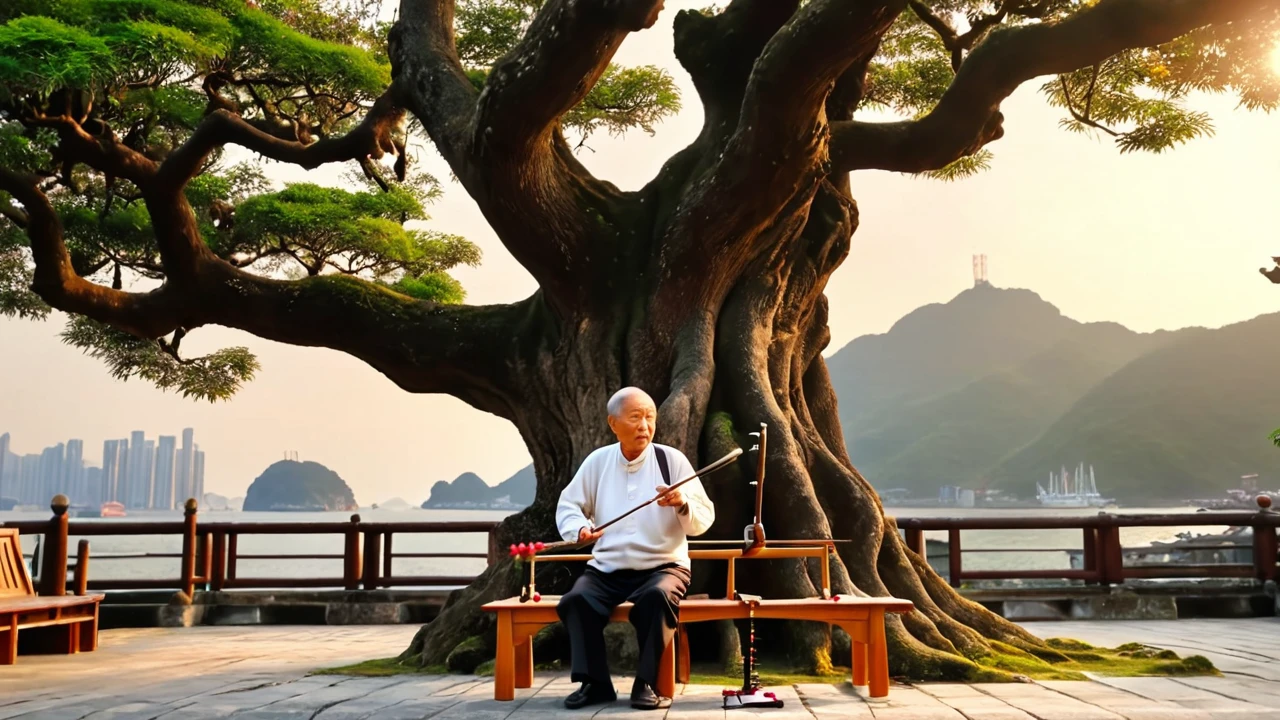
(1275, 60)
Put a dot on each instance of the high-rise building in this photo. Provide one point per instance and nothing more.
(4, 456)
(29, 479)
(72, 484)
(162, 492)
(197, 474)
(115, 456)
(183, 479)
(52, 462)
(137, 490)
(93, 487)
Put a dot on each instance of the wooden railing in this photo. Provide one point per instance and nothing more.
(210, 555)
(1101, 547)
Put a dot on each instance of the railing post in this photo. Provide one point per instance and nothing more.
(82, 568)
(953, 557)
(1110, 553)
(1090, 541)
(189, 548)
(233, 542)
(386, 557)
(219, 572)
(494, 552)
(53, 569)
(351, 556)
(1264, 541)
(372, 551)
(915, 542)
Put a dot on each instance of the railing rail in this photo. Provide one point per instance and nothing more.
(1101, 546)
(210, 556)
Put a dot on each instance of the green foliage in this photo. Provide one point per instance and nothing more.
(966, 166)
(148, 71)
(39, 55)
(216, 376)
(1139, 97)
(625, 98)
(622, 99)
(1274, 437)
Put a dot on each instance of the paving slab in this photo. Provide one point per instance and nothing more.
(263, 673)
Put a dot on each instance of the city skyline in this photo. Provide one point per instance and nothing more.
(137, 472)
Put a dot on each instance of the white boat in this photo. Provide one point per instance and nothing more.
(1072, 490)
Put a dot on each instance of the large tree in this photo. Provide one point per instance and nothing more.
(704, 287)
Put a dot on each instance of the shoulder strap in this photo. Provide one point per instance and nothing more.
(662, 465)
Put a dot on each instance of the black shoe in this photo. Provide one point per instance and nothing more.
(644, 698)
(590, 694)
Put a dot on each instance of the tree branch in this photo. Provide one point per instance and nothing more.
(370, 139)
(562, 55)
(421, 346)
(151, 314)
(1274, 273)
(719, 51)
(968, 115)
(429, 80)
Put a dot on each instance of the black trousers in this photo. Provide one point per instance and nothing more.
(655, 593)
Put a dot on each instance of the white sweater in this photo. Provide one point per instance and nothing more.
(607, 486)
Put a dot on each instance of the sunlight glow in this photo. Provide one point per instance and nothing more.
(1275, 60)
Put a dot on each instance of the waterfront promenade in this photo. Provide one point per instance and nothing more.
(264, 672)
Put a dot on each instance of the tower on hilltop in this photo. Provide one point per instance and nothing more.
(980, 271)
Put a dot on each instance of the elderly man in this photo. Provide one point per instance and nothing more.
(643, 559)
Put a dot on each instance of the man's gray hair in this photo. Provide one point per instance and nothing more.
(615, 403)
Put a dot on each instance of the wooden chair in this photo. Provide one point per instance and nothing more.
(64, 624)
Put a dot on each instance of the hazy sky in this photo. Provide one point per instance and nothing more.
(1150, 241)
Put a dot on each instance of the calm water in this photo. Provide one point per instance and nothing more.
(103, 566)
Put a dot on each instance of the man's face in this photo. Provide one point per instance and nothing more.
(635, 424)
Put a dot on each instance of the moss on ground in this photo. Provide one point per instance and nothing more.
(1003, 665)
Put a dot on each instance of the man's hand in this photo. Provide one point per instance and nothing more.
(673, 498)
(586, 534)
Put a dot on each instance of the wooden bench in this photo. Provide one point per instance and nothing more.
(64, 624)
(861, 618)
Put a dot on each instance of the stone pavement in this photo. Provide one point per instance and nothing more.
(261, 672)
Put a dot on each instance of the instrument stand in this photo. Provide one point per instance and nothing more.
(751, 695)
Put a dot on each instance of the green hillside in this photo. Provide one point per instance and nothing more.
(942, 347)
(1184, 420)
(955, 438)
(996, 388)
(292, 485)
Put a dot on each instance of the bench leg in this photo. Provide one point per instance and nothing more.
(9, 641)
(524, 663)
(878, 652)
(504, 670)
(89, 634)
(667, 671)
(859, 664)
(682, 655)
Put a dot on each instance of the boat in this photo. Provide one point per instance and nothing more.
(106, 510)
(1072, 490)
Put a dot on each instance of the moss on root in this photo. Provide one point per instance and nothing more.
(1005, 663)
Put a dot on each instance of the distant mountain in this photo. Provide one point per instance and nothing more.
(395, 503)
(468, 491)
(1189, 416)
(216, 502)
(982, 391)
(299, 486)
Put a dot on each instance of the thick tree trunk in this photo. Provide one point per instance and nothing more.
(759, 360)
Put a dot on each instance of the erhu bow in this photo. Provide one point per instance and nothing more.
(528, 592)
(753, 534)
